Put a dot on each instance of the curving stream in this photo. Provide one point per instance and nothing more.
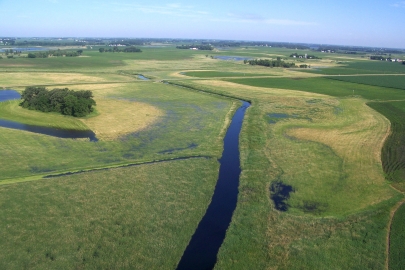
(55, 132)
(201, 252)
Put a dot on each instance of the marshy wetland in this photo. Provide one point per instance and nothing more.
(321, 162)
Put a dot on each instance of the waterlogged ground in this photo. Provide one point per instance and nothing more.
(173, 118)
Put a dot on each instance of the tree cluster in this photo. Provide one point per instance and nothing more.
(303, 56)
(202, 47)
(117, 49)
(270, 63)
(11, 51)
(57, 53)
(64, 101)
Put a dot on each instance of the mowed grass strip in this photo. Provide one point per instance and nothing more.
(325, 86)
(397, 240)
(139, 217)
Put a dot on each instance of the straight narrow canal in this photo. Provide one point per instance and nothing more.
(6, 95)
(201, 252)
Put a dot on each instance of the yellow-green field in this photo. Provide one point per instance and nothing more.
(321, 139)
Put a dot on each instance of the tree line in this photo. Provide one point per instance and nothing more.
(57, 53)
(203, 47)
(117, 49)
(64, 101)
(270, 63)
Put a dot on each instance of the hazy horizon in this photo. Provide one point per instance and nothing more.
(361, 23)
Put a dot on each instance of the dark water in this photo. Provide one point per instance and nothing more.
(55, 132)
(201, 252)
(280, 193)
(9, 95)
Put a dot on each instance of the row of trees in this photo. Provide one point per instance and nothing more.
(117, 49)
(270, 63)
(203, 47)
(57, 53)
(64, 101)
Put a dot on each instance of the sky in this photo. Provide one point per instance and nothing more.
(374, 23)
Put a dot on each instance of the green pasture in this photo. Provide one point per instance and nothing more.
(396, 81)
(325, 86)
(138, 217)
(397, 239)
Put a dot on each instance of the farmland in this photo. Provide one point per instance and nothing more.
(331, 139)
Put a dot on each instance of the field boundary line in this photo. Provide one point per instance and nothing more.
(11, 181)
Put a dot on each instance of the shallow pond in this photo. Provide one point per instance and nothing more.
(143, 77)
(232, 58)
(55, 132)
(26, 49)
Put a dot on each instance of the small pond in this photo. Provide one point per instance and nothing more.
(55, 132)
(140, 76)
(231, 58)
(26, 49)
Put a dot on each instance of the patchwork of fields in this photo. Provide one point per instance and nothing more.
(336, 141)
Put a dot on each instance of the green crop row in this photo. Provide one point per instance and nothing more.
(393, 152)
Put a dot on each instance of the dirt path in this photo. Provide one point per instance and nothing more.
(393, 211)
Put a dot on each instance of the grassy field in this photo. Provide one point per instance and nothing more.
(312, 133)
(129, 218)
(397, 238)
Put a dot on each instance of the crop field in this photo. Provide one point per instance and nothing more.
(397, 238)
(393, 152)
(330, 149)
(325, 86)
(361, 67)
(396, 81)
